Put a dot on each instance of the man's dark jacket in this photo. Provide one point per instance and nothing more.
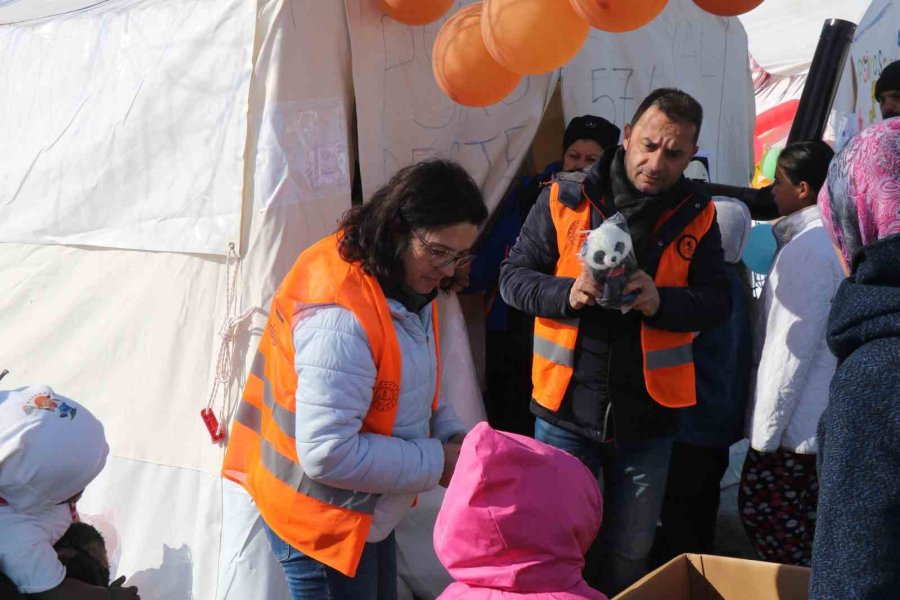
(607, 396)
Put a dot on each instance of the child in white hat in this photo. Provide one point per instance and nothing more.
(50, 449)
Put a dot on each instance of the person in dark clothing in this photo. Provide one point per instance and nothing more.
(509, 331)
(887, 91)
(722, 358)
(605, 382)
(857, 539)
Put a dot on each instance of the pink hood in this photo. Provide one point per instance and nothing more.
(517, 519)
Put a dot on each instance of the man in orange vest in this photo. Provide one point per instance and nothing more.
(607, 385)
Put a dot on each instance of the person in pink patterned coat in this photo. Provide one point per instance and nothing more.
(516, 521)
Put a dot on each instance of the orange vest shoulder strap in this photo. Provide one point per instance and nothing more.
(351, 287)
(570, 226)
(675, 261)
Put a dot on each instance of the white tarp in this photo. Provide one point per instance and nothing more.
(162, 527)
(403, 116)
(141, 329)
(683, 47)
(783, 34)
(127, 122)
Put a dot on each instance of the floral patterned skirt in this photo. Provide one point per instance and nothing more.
(777, 504)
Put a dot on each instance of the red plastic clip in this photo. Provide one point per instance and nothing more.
(216, 432)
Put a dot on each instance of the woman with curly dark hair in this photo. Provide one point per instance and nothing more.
(342, 421)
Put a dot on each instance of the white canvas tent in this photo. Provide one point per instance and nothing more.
(141, 139)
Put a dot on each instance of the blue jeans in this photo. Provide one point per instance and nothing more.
(308, 579)
(633, 479)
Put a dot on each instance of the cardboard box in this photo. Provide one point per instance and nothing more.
(706, 577)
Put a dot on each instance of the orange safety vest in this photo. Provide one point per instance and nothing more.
(326, 523)
(668, 356)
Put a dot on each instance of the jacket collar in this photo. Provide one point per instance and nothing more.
(867, 304)
(794, 224)
(411, 300)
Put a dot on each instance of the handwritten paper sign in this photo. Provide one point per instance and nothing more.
(403, 117)
(684, 47)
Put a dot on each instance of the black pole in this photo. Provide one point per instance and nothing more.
(812, 114)
(822, 81)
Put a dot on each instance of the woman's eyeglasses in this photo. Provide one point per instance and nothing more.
(442, 258)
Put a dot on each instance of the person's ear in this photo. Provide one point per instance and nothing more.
(626, 135)
(803, 191)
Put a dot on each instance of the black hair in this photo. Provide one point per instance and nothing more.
(806, 161)
(888, 81)
(80, 563)
(677, 105)
(427, 195)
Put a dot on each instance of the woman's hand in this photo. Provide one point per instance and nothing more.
(451, 455)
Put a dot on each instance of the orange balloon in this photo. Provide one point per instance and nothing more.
(618, 15)
(728, 8)
(532, 36)
(416, 12)
(462, 66)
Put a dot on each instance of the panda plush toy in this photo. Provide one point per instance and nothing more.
(609, 255)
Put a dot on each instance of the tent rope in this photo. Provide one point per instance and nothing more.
(230, 324)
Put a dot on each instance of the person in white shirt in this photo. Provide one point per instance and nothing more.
(779, 490)
(50, 449)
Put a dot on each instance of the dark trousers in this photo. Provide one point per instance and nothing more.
(691, 503)
(633, 476)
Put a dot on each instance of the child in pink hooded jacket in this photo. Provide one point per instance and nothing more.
(516, 521)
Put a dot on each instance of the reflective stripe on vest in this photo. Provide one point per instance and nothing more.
(554, 353)
(327, 523)
(284, 468)
(668, 356)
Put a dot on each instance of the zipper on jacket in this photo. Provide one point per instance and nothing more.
(608, 412)
(606, 419)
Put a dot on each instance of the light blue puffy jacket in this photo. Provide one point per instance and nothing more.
(335, 379)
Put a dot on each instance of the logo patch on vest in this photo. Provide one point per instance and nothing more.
(687, 245)
(386, 395)
(575, 236)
